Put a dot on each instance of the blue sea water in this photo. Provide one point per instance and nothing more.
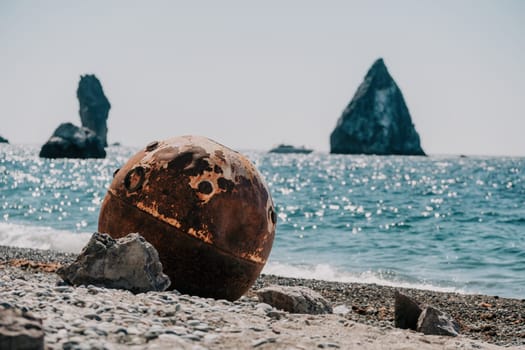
(440, 223)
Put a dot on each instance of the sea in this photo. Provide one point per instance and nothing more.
(444, 223)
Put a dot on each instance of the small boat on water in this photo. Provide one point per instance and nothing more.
(282, 148)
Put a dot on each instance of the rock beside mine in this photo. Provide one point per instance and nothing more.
(70, 141)
(129, 263)
(406, 312)
(20, 330)
(435, 322)
(299, 300)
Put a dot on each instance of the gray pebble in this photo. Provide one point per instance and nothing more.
(79, 303)
(120, 330)
(199, 334)
(63, 289)
(191, 337)
(211, 338)
(133, 331)
(177, 330)
(262, 341)
(93, 317)
(328, 346)
(43, 293)
(193, 323)
(90, 333)
(202, 327)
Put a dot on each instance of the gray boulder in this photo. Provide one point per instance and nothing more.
(435, 322)
(128, 263)
(376, 121)
(406, 312)
(70, 141)
(3, 140)
(20, 330)
(299, 300)
(94, 106)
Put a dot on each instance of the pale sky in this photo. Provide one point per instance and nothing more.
(254, 74)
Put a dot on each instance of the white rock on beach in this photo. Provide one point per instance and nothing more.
(129, 263)
(300, 300)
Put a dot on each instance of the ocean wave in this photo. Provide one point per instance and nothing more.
(41, 237)
(327, 272)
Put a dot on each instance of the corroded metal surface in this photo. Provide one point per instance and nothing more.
(203, 206)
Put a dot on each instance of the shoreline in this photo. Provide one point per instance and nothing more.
(486, 321)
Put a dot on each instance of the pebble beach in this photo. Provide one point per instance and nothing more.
(91, 317)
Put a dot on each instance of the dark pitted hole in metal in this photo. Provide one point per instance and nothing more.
(115, 172)
(272, 215)
(205, 187)
(152, 145)
(182, 161)
(134, 179)
(225, 184)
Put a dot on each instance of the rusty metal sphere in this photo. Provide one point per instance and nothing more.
(203, 206)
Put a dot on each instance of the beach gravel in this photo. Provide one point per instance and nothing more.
(91, 317)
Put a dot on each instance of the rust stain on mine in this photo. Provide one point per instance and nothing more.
(203, 206)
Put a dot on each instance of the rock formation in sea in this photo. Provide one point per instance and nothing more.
(377, 120)
(94, 106)
(2, 140)
(88, 141)
(71, 141)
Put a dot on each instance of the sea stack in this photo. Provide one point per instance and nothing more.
(89, 140)
(94, 106)
(377, 120)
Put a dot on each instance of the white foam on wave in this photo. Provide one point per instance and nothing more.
(327, 272)
(41, 237)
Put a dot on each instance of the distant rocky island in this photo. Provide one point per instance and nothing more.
(88, 141)
(283, 148)
(3, 140)
(71, 141)
(377, 120)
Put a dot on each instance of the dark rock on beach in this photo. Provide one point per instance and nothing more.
(435, 322)
(377, 120)
(299, 300)
(70, 141)
(129, 263)
(406, 312)
(19, 330)
(94, 106)
(3, 140)
(429, 320)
